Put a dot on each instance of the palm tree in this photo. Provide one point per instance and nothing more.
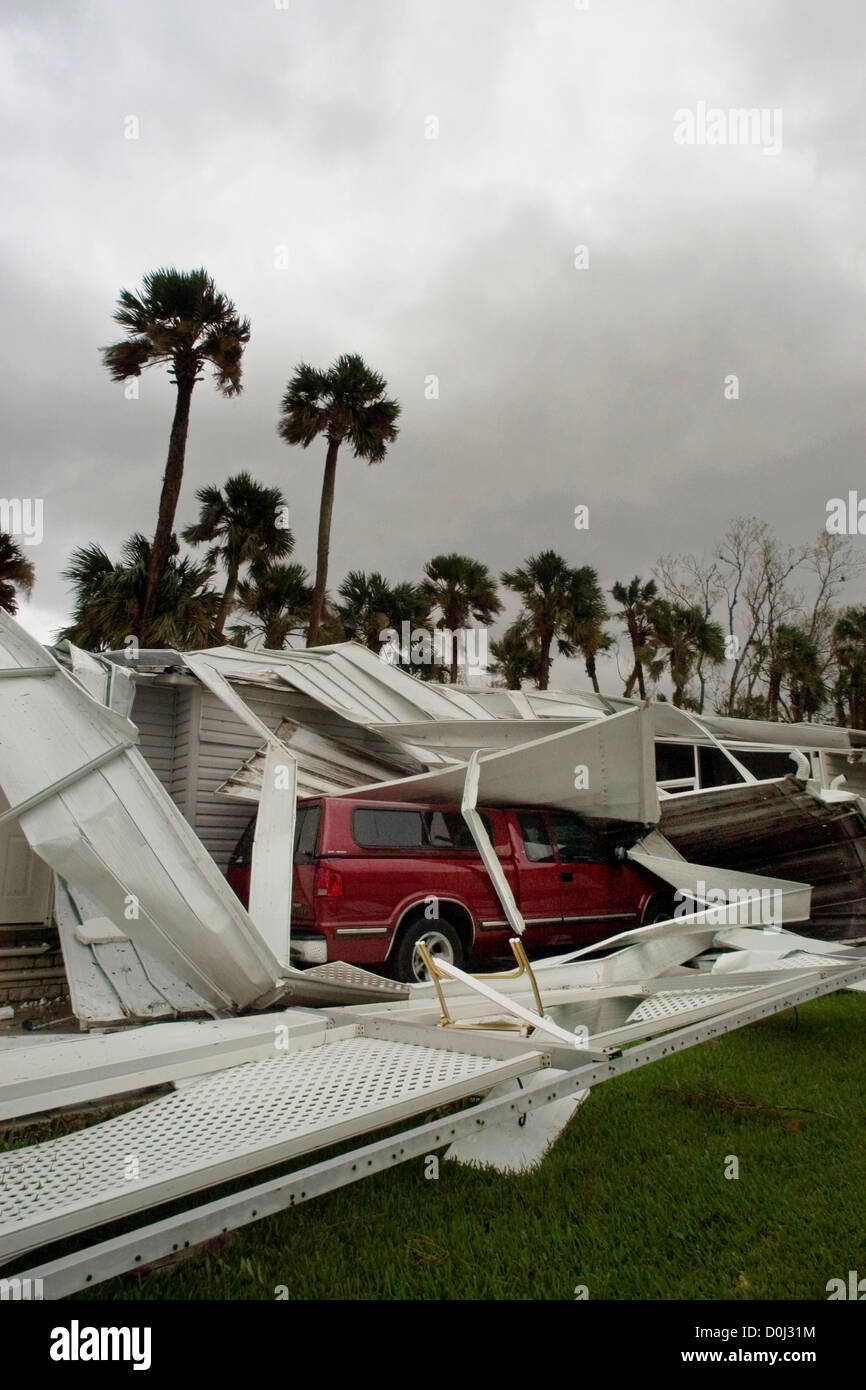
(635, 599)
(681, 636)
(849, 649)
(747, 706)
(277, 596)
(513, 657)
(365, 610)
(545, 585)
(370, 604)
(461, 588)
(180, 318)
(409, 604)
(16, 572)
(110, 597)
(245, 519)
(588, 616)
(346, 402)
(795, 660)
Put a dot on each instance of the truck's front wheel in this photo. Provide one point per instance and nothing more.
(660, 908)
(441, 941)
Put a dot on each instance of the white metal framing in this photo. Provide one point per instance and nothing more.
(94, 1066)
(487, 851)
(235, 1122)
(135, 1249)
(271, 876)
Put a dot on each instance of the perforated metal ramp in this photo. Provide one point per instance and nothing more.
(364, 983)
(714, 995)
(799, 960)
(667, 1006)
(239, 1120)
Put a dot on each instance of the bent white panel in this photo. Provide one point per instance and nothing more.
(115, 833)
(273, 852)
(603, 770)
(487, 850)
(763, 901)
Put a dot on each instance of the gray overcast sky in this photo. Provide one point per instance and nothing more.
(306, 127)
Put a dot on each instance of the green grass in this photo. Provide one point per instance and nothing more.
(632, 1201)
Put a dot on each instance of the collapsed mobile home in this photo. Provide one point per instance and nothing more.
(130, 787)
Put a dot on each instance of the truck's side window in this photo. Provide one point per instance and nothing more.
(536, 841)
(387, 829)
(393, 829)
(574, 839)
(448, 830)
(440, 831)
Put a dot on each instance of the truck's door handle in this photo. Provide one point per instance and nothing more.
(567, 877)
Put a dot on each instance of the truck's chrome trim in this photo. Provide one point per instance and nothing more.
(360, 931)
(602, 917)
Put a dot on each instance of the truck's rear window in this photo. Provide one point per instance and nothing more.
(307, 831)
(391, 829)
(307, 821)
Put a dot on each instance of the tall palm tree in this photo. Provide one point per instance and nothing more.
(635, 600)
(16, 572)
(587, 618)
(514, 659)
(109, 599)
(679, 637)
(277, 596)
(544, 584)
(346, 402)
(179, 318)
(461, 588)
(244, 519)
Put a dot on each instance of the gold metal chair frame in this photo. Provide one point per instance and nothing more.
(522, 968)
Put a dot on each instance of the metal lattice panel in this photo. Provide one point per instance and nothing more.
(668, 1005)
(339, 972)
(802, 960)
(239, 1119)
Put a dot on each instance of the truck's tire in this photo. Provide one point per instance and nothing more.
(438, 936)
(660, 908)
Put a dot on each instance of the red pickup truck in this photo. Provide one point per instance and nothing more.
(372, 879)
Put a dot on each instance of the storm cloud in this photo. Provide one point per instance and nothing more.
(414, 182)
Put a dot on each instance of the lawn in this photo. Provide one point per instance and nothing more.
(632, 1202)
